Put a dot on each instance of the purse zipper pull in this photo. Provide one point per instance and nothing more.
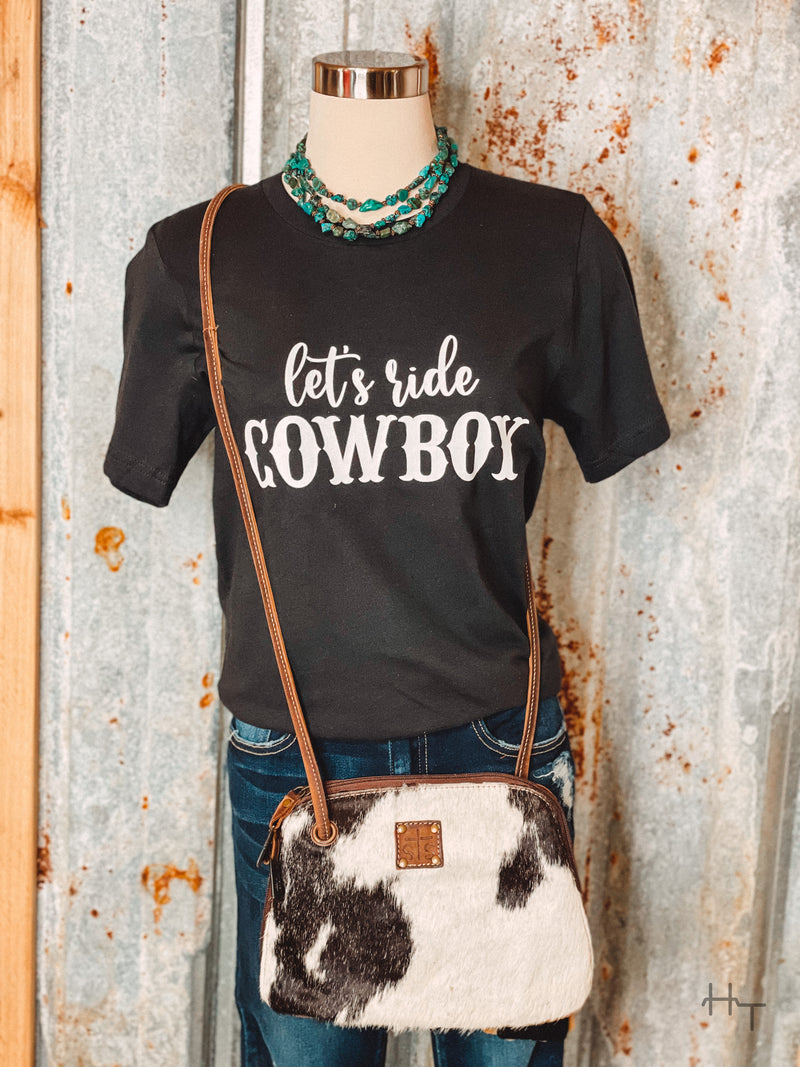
(288, 804)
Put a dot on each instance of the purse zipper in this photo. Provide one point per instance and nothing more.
(288, 804)
(336, 786)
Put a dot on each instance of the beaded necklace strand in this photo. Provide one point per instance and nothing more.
(434, 178)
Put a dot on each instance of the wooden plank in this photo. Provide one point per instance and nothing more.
(20, 435)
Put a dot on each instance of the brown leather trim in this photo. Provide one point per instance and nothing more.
(534, 672)
(210, 329)
(418, 843)
(379, 783)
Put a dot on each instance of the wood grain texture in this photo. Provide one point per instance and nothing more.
(20, 286)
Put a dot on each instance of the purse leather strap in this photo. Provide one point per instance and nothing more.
(324, 831)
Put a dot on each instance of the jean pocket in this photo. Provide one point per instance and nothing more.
(503, 730)
(258, 740)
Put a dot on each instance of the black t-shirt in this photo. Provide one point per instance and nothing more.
(387, 399)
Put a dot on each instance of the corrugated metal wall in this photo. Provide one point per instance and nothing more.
(673, 586)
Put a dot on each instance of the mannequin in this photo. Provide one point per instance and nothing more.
(409, 643)
(370, 127)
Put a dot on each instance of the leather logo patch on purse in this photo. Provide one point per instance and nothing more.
(419, 843)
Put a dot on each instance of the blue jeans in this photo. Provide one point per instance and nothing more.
(263, 765)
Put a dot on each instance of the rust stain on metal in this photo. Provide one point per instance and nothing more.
(605, 32)
(44, 865)
(622, 127)
(692, 156)
(425, 45)
(579, 661)
(719, 50)
(670, 758)
(607, 27)
(609, 211)
(107, 543)
(207, 698)
(564, 61)
(715, 390)
(65, 512)
(508, 141)
(145, 803)
(157, 878)
(624, 1042)
(68, 288)
(194, 565)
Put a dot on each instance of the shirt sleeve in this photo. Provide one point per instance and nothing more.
(603, 393)
(164, 409)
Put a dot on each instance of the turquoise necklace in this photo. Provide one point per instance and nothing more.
(433, 178)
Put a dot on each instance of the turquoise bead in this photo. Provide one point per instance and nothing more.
(420, 195)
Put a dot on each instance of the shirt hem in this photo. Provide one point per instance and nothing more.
(137, 479)
(626, 449)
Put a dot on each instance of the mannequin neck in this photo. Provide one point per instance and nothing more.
(367, 148)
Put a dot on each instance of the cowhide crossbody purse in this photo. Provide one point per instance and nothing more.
(444, 901)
